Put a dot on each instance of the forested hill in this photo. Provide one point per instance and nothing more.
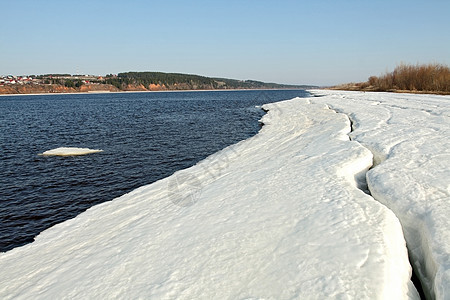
(130, 81)
(177, 81)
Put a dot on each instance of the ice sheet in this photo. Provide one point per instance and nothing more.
(410, 138)
(277, 216)
(70, 151)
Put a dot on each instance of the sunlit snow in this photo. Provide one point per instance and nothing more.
(70, 151)
(281, 215)
(410, 138)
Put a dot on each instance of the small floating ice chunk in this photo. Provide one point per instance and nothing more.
(70, 151)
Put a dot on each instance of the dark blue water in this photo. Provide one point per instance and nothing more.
(145, 137)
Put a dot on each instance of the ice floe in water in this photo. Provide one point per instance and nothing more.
(277, 216)
(70, 151)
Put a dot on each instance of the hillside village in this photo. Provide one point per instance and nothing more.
(11, 79)
(49, 79)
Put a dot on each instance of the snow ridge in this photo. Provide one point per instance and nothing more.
(410, 137)
(363, 185)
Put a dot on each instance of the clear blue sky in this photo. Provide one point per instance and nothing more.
(301, 42)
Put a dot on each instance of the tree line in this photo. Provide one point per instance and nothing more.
(432, 78)
(167, 79)
(187, 81)
(428, 77)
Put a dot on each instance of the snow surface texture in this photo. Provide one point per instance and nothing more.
(277, 216)
(70, 151)
(410, 138)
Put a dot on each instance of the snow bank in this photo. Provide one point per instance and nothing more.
(70, 151)
(410, 138)
(277, 216)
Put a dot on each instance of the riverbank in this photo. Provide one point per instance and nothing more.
(362, 87)
(25, 89)
(280, 215)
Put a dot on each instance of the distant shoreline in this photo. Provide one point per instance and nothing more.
(129, 82)
(162, 91)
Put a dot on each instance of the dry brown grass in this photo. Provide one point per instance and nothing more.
(433, 78)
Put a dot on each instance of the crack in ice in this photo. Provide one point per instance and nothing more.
(410, 173)
(363, 186)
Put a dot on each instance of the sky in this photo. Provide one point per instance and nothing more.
(321, 42)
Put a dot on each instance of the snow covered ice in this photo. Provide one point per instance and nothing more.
(70, 151)
(410, 138)
(278, 216)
